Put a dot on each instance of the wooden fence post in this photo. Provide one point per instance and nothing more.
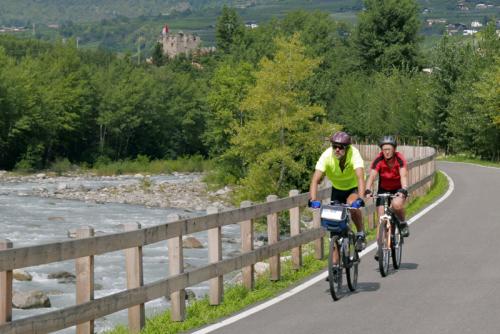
(295, 230)
(135, 279)
(246, 231)
(273, 236)
(5, 288)
(319, 249)
(84, 267)
(176, 266)
(214, 256)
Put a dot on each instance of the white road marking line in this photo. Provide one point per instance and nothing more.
(317, 278)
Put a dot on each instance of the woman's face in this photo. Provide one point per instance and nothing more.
(388, 151)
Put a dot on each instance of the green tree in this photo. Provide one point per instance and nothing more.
(228, 30)
(158, 57)
(452, 62)
(377, 104)
(280, 140)
(474, 106)
(228, 86)
(387, 34)
(124, 107)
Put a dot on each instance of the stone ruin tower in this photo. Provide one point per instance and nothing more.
(177, 43)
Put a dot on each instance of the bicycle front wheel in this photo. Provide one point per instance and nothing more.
(384, 249)
(396, 247)
(351, 261)
(335, 269)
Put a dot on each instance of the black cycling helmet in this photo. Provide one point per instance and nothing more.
(341, 137)
(388, 140)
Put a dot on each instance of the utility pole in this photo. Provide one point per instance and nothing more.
(139, 42)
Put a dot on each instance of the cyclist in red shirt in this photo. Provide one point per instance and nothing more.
(391, 168)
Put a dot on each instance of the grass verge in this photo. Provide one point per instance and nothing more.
(237, 297)
(468, 159)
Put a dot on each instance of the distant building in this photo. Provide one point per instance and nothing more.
(455, 28)
(469, 32)
(462, 6)
(481, 6)
(174, 44)
(251, 24)
(12, 29)
(178, 43)
(476, 24)
(431, 22)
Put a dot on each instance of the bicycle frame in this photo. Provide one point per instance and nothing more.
(387, 217)
(388, 229)
(336, 219)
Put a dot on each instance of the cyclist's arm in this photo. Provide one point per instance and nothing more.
(371, 179)
(313, 188)
(403, 172)
(360, 174)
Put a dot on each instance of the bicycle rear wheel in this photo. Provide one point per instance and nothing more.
(396, 247)
(383, 248)
(351, 261)
(335, 269)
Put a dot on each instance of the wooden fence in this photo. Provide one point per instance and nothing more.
(133, 238)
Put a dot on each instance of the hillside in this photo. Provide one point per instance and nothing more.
(20, 12)
(23, 12)
(118, 25)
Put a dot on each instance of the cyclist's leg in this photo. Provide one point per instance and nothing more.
(398, 206)
(356, 215)
(357, 218)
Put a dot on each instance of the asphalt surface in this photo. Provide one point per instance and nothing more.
(449, 281)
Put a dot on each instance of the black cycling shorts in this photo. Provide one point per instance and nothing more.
(341, 195)
(381, 191)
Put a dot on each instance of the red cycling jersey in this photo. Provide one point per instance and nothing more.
(389, 178)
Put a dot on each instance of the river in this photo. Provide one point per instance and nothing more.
(31, 220)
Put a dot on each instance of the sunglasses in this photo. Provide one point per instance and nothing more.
(339, 146)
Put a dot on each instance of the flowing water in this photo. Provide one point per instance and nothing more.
(28, 220)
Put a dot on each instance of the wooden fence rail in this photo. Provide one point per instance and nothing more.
(83, 250)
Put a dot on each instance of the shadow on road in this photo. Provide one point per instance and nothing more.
(362, 287)
(367, 287)
(403, 266)
(408, 266)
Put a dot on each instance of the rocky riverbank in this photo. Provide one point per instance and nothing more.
(178, 190)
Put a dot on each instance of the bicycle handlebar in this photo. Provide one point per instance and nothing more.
(384, 195)
(317, 205)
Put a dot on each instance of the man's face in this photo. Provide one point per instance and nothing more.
(388, 151)
(338, 150)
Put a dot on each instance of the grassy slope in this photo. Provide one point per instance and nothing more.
(236, 297)
(122, 36)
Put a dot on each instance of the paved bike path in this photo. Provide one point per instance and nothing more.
(449, 281)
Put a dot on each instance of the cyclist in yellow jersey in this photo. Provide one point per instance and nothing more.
(343, 165)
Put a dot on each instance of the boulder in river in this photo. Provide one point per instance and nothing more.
(191, 242)
(21, 275)
(30, 299)
(60, 275)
